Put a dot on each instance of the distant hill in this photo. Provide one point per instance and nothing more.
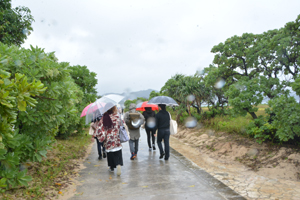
(133, 95)
(142, 93)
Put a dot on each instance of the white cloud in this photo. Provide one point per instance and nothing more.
(137, 45)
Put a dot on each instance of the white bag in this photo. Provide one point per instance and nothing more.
(91, 131)
(173, 126)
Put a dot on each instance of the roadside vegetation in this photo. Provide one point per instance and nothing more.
(246, 71)
(54, 173)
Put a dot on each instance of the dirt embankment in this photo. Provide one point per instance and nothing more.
(251, 169)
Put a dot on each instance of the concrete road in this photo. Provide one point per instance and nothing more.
(148, 177)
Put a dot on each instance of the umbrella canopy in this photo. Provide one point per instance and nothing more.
(163, 100)
(141, 106)
(84, 111)
(102, 105)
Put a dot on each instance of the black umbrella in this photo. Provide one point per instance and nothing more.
(163, 100)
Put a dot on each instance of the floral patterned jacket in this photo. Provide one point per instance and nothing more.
(110, 137)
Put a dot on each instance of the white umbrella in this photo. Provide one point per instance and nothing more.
(102, 105)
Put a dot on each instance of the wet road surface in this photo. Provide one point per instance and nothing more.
(148, 177)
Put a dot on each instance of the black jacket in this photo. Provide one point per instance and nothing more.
(162, 119)
(147, 114)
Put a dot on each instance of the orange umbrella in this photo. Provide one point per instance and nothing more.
(143, 105)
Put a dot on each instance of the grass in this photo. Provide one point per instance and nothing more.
(52, 174)
(226, 123)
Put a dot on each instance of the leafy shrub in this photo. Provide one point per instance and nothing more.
(286, 118)
(38, 99)
(261, 130)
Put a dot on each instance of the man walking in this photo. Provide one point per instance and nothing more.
(133, 120)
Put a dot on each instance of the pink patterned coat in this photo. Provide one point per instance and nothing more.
(110, 137)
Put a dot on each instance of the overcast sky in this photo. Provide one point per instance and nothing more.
(139, 45)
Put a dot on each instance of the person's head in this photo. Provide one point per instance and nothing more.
(107, 122)
(108, 108)
(113, 110)
(148, 109)
(132, 107)
(162, 106)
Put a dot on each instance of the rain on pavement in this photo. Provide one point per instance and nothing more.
(148, 177)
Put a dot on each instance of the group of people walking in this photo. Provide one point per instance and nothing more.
(107, 133)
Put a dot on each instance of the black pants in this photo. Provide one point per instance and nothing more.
(150, 135)
(164, 134)
(99, 144)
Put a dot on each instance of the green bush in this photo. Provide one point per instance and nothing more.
(38, 99)
(261, 130)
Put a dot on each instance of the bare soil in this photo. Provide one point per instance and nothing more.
(241, 163)
(265, 159)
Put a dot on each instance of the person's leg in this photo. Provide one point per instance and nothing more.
(119, 161)
(99, 148)
(103, 148)
(131, 142)
(167, 144)
(153, 139)
(136, 146)
(148, 137)
(159, 139)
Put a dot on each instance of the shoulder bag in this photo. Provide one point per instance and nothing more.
(173, 126)
(92, 129)
(123, 133)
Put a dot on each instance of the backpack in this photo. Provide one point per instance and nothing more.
(132, 117)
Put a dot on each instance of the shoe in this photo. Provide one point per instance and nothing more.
(100, 157)
(132, 156)
(119, 170)
(154, 148)
(161, 156)
(111, 170)
(104, 155)
(150, 149)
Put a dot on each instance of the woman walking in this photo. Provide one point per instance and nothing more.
(162, 119)
(149, 115)
(108, 133)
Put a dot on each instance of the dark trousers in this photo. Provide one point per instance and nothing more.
(164, 134)
(150, 134)
(99, 144)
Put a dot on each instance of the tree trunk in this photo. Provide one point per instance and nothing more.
(253, 115)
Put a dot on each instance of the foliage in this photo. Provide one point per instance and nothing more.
(38, 100)
(86, 81)
(286, 117)
(15, 93)
(249, 68)
(52, 174)
(261, 130)
(244, 96)
(15, 23)
(154, 94)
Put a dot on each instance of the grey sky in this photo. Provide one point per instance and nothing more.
(139, 45)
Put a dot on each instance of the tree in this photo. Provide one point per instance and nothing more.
(154, 94)
(87, 81)
(15, 23)
(40, 98)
